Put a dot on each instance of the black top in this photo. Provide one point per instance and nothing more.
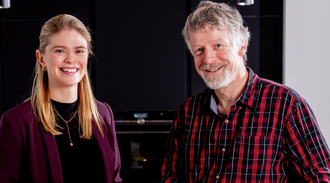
(83, 161)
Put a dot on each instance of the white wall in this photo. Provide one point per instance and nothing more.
(307, 55)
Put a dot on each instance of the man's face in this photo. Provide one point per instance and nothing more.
(217, 61)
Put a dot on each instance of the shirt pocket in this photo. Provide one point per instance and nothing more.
(257, 157)
(258, 147)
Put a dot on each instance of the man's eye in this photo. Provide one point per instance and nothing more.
(198, 51)
(59, 51)
(218, 45)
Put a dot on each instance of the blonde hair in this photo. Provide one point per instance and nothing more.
(40, 99)
(221, 17)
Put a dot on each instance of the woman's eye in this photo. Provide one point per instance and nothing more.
(59, 51)
(80, 51)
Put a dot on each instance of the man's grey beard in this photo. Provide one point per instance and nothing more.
(216, 82)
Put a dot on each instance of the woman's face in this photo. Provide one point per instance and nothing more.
(65, 58)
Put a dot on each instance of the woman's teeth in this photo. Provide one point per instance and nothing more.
(69, 70)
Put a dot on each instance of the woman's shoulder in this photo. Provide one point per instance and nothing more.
(104, 109)
(21, 115)
(21, 110)
(101, 104)
(105, 113)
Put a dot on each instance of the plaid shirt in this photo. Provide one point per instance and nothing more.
(270, 135)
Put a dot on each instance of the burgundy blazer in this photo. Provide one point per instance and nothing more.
(29, 154)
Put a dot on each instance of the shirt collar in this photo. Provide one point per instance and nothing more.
(246, 97)
(213, 104)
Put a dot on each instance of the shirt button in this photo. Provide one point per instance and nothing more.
(226, 121)
(217, 177)
(223, 149)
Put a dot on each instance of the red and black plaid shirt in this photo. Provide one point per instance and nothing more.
(270, 135)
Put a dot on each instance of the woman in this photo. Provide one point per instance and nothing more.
(61, 133)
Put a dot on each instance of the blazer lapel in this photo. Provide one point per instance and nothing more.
(105, 149)
(53, 157)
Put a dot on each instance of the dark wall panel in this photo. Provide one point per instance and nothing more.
(1, 100)
(40, 9)
(140, 54)
(244, 10)
(271, 51)
(142, 61)
(20, 27)
(18, 59)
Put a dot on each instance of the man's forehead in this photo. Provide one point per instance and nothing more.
(213, 32)
(209, 28)
(216, 26)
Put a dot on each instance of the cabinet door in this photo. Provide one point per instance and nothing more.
(141, 54)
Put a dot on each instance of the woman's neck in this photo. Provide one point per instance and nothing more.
(64, 95)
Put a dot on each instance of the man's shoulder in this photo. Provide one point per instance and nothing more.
(201, 98)
(272, 86)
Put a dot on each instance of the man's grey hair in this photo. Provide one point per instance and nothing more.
(219, 16)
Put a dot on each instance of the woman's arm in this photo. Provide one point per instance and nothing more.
(10, 150)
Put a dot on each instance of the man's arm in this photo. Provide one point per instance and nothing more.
(173, 162)
(307, 148)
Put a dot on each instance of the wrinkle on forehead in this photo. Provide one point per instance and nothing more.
(211, 27)
(214, 36)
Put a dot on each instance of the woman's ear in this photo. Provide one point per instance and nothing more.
(40, 58)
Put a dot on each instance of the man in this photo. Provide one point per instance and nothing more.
(242, 128)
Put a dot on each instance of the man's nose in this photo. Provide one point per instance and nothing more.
(210, 56)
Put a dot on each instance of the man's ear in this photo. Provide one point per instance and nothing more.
(242, 49)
